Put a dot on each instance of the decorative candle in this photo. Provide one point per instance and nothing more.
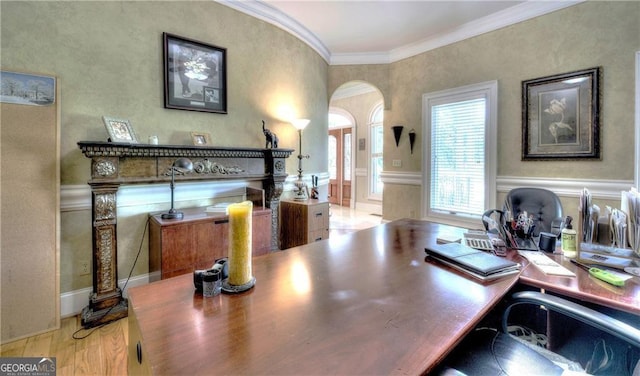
(240, 216)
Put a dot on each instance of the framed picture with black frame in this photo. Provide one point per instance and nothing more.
(561, 116)
(195, 75)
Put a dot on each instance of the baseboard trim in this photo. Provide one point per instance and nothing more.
(369, 208)
(73, 302)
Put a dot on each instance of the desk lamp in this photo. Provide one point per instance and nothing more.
(180, 166)
(301, 186)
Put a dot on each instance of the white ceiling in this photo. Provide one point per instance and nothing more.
(384, 31)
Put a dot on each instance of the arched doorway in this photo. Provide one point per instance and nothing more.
(353, 145)
(341, 125)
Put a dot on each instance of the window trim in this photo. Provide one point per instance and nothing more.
(370, 194)
(489, 90)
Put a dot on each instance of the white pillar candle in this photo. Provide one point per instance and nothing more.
(240, 216)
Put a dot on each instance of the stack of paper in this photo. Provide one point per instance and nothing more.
(630, 205)
(547, 265)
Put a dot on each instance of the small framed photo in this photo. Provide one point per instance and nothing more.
(119, 130)
(201, 139)
(561, 116)
(195, 75)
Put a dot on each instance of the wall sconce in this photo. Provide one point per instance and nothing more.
(412, 139)
(180, 166)
(397, 131)
(301, 193)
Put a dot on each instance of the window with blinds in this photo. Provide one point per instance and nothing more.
(457, 156)
(376, 153)
(460, 152)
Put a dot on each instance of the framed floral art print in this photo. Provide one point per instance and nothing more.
(561, 116)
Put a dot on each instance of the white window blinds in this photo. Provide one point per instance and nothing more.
(458, 156)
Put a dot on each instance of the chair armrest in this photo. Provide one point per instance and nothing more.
(586, 315)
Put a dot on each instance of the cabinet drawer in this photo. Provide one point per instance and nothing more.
(318, 217)
(317, 235)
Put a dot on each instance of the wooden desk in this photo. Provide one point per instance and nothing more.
(362, 303)
(585, 287)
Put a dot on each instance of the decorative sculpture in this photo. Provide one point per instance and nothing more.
(271, 138)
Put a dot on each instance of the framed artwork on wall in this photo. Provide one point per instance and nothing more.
(27, 89)
(195, 75)
(119, 130)
(561, 116)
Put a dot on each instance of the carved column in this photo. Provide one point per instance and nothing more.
(106, 302)
(273, 185)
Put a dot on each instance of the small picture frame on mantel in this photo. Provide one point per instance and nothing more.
(201, 138)
(119, 130)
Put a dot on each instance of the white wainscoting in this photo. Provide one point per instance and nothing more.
(603, 189)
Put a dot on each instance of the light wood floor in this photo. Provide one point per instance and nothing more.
(104, 352)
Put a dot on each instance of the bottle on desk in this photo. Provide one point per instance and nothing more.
(569, 239)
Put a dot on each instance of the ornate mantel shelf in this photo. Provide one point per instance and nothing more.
(115, 164)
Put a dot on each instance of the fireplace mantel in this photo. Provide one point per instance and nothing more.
(115, 164)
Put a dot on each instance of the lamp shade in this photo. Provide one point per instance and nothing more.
(300, 124)
(183, 165)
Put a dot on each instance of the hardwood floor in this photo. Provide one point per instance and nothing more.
(104, 352)
(343, 220)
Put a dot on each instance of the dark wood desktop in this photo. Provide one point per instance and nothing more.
(585, 287)
(363, 303)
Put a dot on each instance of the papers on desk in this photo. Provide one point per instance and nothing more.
(546, 264)
(218, 208)
(618, 258)
(620, 226)
(630, 205)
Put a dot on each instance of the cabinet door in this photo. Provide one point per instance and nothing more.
(178, 253)
(261, 232)
(204, 245)
(221, 238)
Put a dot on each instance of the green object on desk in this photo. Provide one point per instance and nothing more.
(602, 274)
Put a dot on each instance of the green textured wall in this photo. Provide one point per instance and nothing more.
(107, 56)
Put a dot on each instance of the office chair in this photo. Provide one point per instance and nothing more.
(494, 352)
(544, 205)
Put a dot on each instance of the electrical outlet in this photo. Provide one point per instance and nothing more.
(397, 163)
(84, 267)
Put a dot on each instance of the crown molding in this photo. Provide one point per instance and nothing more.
(507, 17)
(518, 13)
(271, 15)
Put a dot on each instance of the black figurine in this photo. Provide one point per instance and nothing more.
(271, 138)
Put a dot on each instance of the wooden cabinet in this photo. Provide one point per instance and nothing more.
(195, 242)
(303, 222)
